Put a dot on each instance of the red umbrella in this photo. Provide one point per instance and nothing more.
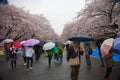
(15, 43)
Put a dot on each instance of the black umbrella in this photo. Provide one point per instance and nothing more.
(81, 38)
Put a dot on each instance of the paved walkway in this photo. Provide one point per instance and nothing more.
(41, 71)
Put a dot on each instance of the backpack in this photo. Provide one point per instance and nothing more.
(60, 52)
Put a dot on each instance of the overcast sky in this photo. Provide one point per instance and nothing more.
(58, 12)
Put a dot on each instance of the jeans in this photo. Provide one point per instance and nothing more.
(56, 57)
(29, 62)
(88, 61)
(49, 60)
(60, 59)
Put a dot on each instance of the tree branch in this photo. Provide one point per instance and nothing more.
(9, 31)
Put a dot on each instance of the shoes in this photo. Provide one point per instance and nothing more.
(25, 64)
(27, 69)
(30, 68)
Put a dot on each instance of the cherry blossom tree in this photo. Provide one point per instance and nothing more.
(19, 24)
(97, 18)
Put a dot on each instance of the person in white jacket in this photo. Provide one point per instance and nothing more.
(29, 55)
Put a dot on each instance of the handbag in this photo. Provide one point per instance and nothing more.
(109, 55)
(74, 61)
(46, 54)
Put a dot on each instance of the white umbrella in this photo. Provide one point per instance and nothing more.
(7, 41)
(48, 46)
(68, 42)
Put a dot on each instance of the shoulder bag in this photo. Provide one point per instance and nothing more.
(74, 61)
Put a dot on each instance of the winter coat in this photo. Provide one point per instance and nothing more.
(73, 54)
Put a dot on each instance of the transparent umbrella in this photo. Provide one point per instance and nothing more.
(48, 46)
(7, 40)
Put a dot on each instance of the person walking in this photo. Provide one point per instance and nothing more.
(73, 52)
(29, 56)
(7, 52)
(98, 43)
(37, 52)
(23, 55)
(13, 56)
(88, 52)
(109, 64)
(56, 49)
(60, 55)
(67, 47)
(49, 55)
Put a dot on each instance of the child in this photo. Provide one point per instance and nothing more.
(60, 55)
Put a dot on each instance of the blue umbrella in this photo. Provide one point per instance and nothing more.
(117, 43)
(81, 38)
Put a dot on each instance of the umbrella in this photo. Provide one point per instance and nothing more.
(68, 42)
(80, 38)
(42, 41)
(22, 42)
(7, 41)
(1, 44)
(106, 46)
(100, 40)
(117, 43)
(15, 43)
(58, 42)
(31, 42)
(48, 46)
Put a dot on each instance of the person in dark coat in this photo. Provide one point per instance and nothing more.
(23, 55)
(73, 52)
(98, 43)
(7, 52)
(67, 47)
(37, 52)
(13, 56)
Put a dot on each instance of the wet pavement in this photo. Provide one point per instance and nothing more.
(41, 71)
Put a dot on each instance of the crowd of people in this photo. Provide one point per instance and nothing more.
(29, 52)
(73, 50)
